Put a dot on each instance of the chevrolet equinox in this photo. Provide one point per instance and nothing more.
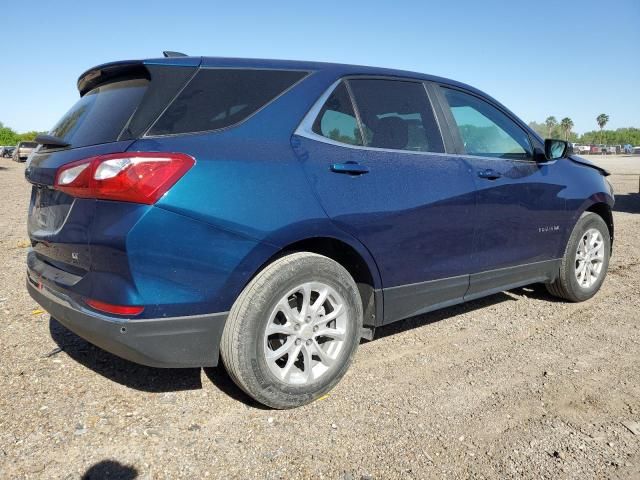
(272, 213)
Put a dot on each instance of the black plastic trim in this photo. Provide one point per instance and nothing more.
(494, 281)
(177, 342)
(409, 300)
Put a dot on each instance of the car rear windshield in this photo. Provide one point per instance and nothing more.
(101, 114)
(28, 144)
(219, 98)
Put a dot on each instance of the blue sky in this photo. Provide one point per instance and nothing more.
(575, 58)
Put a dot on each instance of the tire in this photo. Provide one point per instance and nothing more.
(275, 299)
(568, 284)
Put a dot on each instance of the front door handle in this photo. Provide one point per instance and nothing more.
(489, 174)
(350, 168)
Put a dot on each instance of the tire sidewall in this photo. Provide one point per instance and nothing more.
(586, 222)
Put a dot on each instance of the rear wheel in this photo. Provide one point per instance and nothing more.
(293, 331)
(585, 261)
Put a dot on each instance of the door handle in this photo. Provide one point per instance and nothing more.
(489, 174)
(350, 168)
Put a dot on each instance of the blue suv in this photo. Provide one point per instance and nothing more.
(273, 213)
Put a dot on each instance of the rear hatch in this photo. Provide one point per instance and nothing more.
(118, 103)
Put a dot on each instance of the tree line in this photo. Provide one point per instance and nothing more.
(552, 128)
(9, 137)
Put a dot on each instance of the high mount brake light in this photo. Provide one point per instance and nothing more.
(138, 177)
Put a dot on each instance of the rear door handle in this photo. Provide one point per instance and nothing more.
(350, 168)
(489, 174)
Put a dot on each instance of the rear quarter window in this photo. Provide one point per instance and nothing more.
(220, 98)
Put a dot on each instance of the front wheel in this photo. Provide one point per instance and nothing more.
(585, 261)
(293, 331)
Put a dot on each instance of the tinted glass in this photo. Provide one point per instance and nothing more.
(396, 115)
(101, 114)
(219, 98)
(337, 119)
(485, 130)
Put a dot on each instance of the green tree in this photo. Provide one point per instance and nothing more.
(602, 120)
(550, 123)
(8, 136)
(539, 128)
(566, 124)
(28, 136)
(620, 136)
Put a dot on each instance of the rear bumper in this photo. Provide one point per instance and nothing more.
(175, 342)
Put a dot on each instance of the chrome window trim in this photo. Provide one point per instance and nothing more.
(305, 128)
(518, 160)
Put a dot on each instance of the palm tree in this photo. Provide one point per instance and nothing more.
(602, 120)
(551, 123)
(566, 124)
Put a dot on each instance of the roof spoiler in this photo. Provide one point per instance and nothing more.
(103, 73)
(170, 54)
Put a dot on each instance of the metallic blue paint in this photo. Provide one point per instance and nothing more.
(414, 212)
(257, 188)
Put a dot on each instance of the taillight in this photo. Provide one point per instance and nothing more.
(131, 310)
(138, 177)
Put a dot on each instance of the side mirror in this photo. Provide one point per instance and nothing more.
(555, 149)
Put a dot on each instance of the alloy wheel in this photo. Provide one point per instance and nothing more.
(589, 258)
(305, 333)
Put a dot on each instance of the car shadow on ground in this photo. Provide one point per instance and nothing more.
(122, 371)
(627, 203)
(438, 315)
(221, 379)
(536, 291)
(140, 377)
(157, 380)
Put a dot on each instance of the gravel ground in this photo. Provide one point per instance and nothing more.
(515, 385)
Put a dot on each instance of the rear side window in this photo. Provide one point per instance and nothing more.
(396, 115)
(485, 130)
(337, 120)
(219, 98)
(101, 114)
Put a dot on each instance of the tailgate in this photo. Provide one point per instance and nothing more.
(118, 103)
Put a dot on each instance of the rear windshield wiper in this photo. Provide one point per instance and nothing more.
(51, 141)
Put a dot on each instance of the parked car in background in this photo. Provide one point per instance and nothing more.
(611, 150)
(23, 150)
(271, 213)
(582, 149)
(594, 149)
(636, 150)
(7, 152)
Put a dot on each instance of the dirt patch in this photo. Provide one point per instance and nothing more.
(511, 386)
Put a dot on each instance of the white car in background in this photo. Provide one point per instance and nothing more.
(581, 149)
(611, 150)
